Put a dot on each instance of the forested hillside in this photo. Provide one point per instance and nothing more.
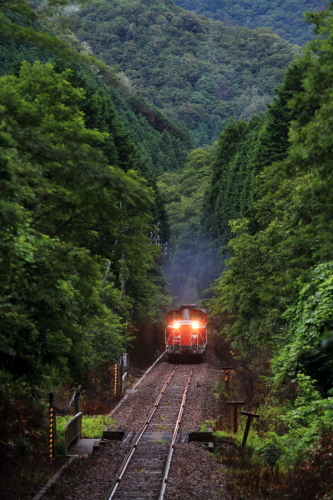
(224, 190)
(91, 170)
(183, 194)
(196, 70)
(79, 202)
(271, 193)
(244, 149)
(163, 143)
(284, 17)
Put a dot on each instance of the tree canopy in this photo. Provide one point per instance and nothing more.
(196, 70)
(284, 17)
(276, 291)
(65, 212)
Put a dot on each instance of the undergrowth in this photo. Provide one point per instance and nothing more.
(289, 451)
(252, 477)
(92, 427)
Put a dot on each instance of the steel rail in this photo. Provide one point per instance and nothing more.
(112, 490)
(174, 436)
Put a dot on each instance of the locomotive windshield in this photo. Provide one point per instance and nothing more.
(175, 315)
(186, 314)
(197, 315)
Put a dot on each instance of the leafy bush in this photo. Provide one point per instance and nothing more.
(310, 318)
(271, 451)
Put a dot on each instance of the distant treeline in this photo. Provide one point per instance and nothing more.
(198, 71)
(284, 17)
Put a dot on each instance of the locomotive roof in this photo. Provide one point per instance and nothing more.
(188, 306)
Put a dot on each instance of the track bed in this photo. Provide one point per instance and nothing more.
(193, 475)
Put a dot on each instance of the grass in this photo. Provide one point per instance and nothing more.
(253, 440)
(92, 427)
(162, 427)
(311, 478)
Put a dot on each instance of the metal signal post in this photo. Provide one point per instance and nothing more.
(52, 428)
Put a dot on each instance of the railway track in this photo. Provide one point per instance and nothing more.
(144, 472)
(193, 475)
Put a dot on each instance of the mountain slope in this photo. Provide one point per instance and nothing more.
(284, 17)
(163, 143)
(195, 69)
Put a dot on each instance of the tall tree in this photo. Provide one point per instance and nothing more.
(61, 215)
(279, 267)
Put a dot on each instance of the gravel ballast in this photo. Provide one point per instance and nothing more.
(194, 475)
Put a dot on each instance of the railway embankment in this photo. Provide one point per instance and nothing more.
(193, 474)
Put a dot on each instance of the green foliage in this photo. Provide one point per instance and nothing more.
(60, 215)
(18, 23)
(277, 291)
(271, 451)
(92, 427)
(261, 262)
(306, 424)
(254, 441)
(198, 71)
(309, 319)
(183, 192)
(161, 142)
(243, 150)
(284, 17)
(231, 185)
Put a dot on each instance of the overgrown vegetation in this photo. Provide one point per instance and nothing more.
(287, 454)
(274, 301)
(281, 255)
(162, 143)
(92, 427)
(78, 203)
(80, 275)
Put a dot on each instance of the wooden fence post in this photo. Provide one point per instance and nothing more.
(235, 403)
(115, 380)
(250, 416)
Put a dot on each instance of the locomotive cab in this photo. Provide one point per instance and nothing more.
(186, 332)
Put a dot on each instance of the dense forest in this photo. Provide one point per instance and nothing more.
(196, 70)
(188, 270)
(79, 202)
(259, 210)
(163, 143)
(284, 17)
(274, 301)
(125, 125)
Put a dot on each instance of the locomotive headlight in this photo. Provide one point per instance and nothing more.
(195, 325)
(176, 325)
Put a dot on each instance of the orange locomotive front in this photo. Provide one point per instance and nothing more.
(186, 332)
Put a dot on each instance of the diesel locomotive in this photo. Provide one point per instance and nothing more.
(186, 332)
